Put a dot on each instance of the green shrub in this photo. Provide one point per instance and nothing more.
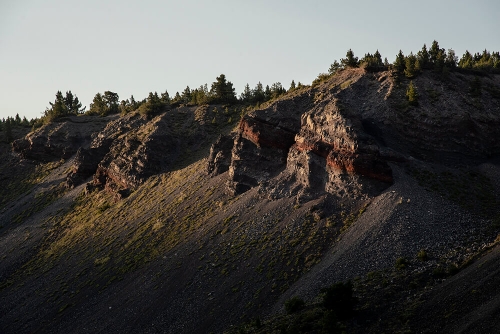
(401, 263)
(411, 94)
(294, 304)
(339, 299)
(422, 255)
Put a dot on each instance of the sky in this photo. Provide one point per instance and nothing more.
(137, 47)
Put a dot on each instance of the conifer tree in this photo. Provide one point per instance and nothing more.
(267, 93)
(411, 94)
(98, 106)
(165, 98)
(111, 100)
(440, 60)
(451, 59)
(400, 62)
(378, 58)
(17, 120)
(246, 95)
(186, 95)
(334, 67)
(423, 57)
(292, 85)
(133, 103)
(8, 130)
(258, 95)
(349, 60)
(73, 105)
(410, 61)
(467, 61)
(177, 98)
(222, 91)
(433, 52)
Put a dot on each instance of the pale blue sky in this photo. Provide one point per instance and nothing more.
(134, 47)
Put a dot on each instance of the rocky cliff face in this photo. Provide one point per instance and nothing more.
(340, 136)
(146, 150)
(61, 139)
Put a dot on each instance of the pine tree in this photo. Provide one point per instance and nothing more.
(277, 90)
(451, 59)
(400, 62)
(73, 105)
(98, 106)
(378, 58)
(334, 67)
(267, 93)
(17, 120)
(258, 95)
(8, 130)
(222, 91)
(433, 52)
(246, 95)
(440, 60)
(410, 66)
(111, 100)
(411, 94)
(467, 61)
(349, 60)
(133, 103)
(186, 95)
(292, 85)
(423, 57)
(165, 98)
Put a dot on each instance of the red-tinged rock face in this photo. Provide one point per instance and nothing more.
(265, 134)
(361, 164)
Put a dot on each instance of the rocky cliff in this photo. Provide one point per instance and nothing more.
(346, 131)
(205, 222)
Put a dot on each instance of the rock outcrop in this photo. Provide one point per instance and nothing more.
(87, 160)
(60, 139)
(219, 158)
(340, 135)
(140, 153)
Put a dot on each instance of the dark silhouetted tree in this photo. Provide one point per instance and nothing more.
(267, 93)
(451, 59)
(334, 67)
(258, 95)
(400, 62)
(8, 130)
(349, 60)
(73, 105)
(222, 91)
(165, 98)
(423, 57)
(246, 95)
(98, 106)
(410, 61)
(277, 90)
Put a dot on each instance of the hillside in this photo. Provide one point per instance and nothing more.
(189, 221)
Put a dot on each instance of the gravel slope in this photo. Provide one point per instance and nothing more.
(401, 221)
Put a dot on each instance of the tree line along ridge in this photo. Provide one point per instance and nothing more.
(222, 91)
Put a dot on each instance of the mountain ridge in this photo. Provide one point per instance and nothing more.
(146, 225)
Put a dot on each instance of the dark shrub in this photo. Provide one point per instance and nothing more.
(294, 304)
(339, 299)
